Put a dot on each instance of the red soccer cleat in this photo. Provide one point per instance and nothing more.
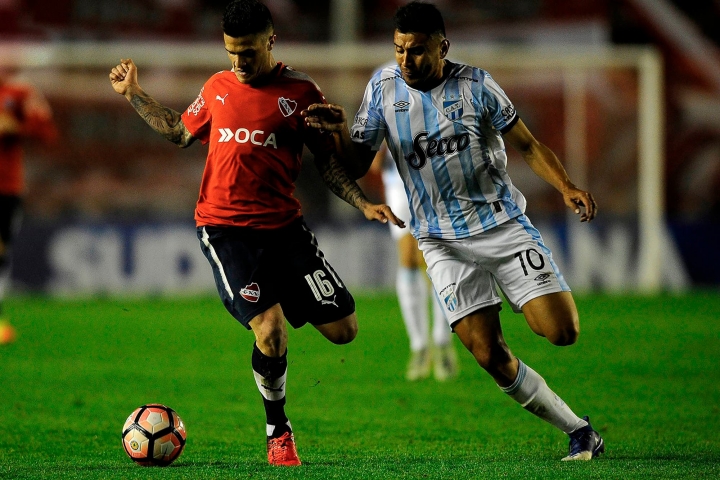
(282, 451)
(7, 333)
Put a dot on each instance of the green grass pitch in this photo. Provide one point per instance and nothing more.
(644, 369)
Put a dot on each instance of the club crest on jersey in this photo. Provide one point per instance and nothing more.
(287, 106)
(453, 109)
(251, 292)
(448, 297)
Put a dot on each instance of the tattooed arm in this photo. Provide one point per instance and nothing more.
(166, 121)
(357, 157)
(336, 178)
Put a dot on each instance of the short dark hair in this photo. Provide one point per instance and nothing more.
(246, 17)
(419, 17)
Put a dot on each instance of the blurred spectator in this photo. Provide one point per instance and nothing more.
(24, 114)
(427, 351)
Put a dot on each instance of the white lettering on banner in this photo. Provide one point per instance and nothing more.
(608, 261)
(158, 260)
(167, 259)
(85, 260)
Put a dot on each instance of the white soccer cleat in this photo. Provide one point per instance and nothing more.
(419, 366)
(445, 362)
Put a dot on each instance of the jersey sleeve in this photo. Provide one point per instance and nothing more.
(369, 127)
(500, 110)
(197, 117)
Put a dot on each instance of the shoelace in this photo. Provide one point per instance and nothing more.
(280, 447)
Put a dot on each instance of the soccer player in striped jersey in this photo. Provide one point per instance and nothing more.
(446, 125)
(266, 261)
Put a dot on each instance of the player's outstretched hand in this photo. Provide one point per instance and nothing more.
(581, 202)
(123, 76)
(325, 116)
(382, 213)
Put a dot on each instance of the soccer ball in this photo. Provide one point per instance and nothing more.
(154, 435)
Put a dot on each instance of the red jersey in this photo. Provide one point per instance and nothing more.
(256, 136)
(22, 106)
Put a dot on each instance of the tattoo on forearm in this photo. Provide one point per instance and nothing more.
(336, 178)
(165, 121)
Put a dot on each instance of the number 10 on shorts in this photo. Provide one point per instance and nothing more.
(530, 260)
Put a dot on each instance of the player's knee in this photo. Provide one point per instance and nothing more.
(272, 339)
(492, 359)
(274, 344)
(341, 331)
(484, 359)
(563, 337)
(345, 335)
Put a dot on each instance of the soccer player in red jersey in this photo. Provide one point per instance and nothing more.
(266, 261)
(24, 115)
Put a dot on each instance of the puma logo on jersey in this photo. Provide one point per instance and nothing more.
(222, 99)
(287, 106)
(243, 135)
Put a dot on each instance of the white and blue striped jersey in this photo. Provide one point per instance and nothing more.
(447, 147)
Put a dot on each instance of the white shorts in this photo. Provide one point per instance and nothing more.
(396, 199)
(512, 256)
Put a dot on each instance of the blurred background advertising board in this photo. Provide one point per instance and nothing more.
(626, 92)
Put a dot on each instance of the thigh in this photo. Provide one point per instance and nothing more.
(461, 284)
(310, 289)
(409, 256)
(239, 263)
(553, 316)
(480, 331)
(522, 264)
(340, 331)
